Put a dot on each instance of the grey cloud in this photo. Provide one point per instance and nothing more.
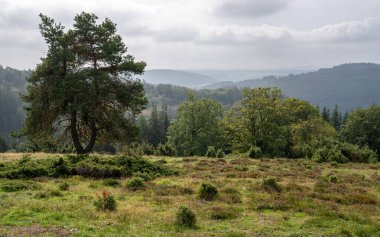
(250, 8)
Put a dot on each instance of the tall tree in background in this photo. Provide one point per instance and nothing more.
(363, 128)
(83, 87)
(198, 125)
(165, 123)
(326, 114)
(336, 118)
(155, 127)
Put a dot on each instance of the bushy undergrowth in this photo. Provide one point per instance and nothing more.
(83, 165)
(255, 152)
(335, 151)
(18, 185)
(185, 217)
(135, 184)
(208, 192)
(105, 202)
(270, 185)
(165, 150)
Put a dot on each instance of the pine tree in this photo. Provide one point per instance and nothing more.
(336, 118)
(326, 114)
(154, 127)
(165, 123)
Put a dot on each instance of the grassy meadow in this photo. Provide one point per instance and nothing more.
(305, 199)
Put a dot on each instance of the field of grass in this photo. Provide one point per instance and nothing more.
(311, 199)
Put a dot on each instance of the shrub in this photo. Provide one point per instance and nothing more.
(211, 152)
(135, 184)
(185, 217)
(111, 183)
(3, 145)
(329, 154)
(220, 154)
(165, 150)
(13, 186)
(64, 186)
(208, 192)
(254, 152)
(104, 148)
(86, 166)
(270, 185)
(301, 151)
(105, 202)
(354, 153)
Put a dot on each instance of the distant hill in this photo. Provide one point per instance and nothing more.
(176, 77)
(202, 78)
(349, 86)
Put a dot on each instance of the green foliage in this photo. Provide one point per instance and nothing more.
(265, 119)
(135, 183)
(208, 192)
(19, 185)
(111, 183)
(105, 202)
(211, 152)
(86, 166)
(3, 145)
(329, 154)
(363, 128)
(271, 185)
(255, 152)
(185, 217)
(197, 127)
(329, 150)
(84, 86)
(354, 153)
(220, 153)
(165, 150)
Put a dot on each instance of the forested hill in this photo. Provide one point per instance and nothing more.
(350, 85)
(12, 82)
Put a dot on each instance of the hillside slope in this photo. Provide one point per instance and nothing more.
(349, 86)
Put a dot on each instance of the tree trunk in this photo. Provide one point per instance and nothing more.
(74, 133)
(91, 143)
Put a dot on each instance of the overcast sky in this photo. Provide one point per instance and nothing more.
(210, 34)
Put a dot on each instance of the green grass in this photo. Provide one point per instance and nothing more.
(309, 204)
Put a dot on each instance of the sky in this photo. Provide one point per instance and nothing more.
(209, 34)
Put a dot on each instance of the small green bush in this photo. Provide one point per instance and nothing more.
(185, 217)
(354, 153)
(111, 183)
(255, 152)
(165, 150)
(220, 154)
(329, 154)
(14, 186)
(211, 152)
(105, 202)
(135, 183)
(208, 192)
(270, 185)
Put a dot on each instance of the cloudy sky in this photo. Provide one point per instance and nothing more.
(210, 34)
